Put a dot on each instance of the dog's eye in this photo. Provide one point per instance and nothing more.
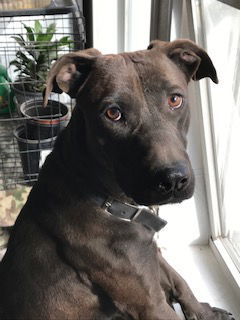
(113, 113)
(175, 101)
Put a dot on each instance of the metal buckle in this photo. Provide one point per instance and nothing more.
(106, 205)
(137, 213)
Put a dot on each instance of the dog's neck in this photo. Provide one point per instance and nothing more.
(93, 183)
(139, 214)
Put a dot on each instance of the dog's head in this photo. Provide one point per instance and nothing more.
(136, 113)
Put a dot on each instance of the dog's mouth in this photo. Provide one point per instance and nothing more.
(150, 197)
(145, 192)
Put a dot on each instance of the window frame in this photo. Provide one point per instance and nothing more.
(206, 127)
(219, 243)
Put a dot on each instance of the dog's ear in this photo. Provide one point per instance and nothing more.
(192, 59)
(69, 73)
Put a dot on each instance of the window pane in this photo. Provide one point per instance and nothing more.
(222, 34)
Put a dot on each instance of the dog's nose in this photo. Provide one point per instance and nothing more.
(173, 179)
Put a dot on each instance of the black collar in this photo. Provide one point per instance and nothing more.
(129, 212)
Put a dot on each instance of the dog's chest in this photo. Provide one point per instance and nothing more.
(128, 272)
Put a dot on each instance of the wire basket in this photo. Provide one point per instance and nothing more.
(29, 44)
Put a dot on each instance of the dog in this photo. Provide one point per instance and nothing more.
(82, 246)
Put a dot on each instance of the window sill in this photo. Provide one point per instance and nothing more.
(206, 276)
(221, 249)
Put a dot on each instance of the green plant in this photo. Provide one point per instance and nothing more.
(36, 53)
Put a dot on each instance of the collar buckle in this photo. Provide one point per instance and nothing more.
(106, 204)
(138, 212)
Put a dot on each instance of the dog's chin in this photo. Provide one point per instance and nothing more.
(153, 198)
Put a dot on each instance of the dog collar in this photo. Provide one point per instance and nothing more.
(128, 212)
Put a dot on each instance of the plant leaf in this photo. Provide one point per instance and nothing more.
(48, 35)
(38, 27)
(30, 32)
(51, 28)
(20, 40)
(14, 63)
(65, 41)
(44, 38)
(20, 55)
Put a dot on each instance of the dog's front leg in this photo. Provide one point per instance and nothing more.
(176, 289)
(162, 312)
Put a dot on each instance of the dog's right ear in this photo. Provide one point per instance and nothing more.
(69, 73)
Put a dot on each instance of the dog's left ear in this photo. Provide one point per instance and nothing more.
(69, 73)
(190, 58)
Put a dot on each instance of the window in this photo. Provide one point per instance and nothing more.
(217, 29)
(123, 26)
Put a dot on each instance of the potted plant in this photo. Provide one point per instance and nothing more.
(38, 49)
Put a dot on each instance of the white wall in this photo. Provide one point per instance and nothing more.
(188, 222)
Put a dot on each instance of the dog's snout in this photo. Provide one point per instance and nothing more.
(173, 179)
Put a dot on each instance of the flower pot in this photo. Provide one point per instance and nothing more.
(32, 153)
(44, 122)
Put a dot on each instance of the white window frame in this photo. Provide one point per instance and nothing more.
(219, 244)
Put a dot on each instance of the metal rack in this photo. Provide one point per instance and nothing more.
(69, 22)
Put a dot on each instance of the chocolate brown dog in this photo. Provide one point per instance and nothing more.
(82, 247)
